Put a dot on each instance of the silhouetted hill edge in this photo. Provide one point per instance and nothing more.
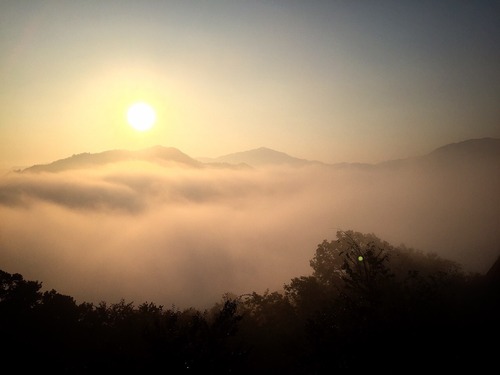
(468, 152)
(157, 154)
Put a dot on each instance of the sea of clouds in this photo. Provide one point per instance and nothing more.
(185, 236)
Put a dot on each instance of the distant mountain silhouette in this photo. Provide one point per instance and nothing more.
(259, 157)
(157, 154)
(483, 148)
(469, 153)
(473, 152)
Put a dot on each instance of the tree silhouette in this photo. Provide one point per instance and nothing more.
(366, 306)
(372, 301)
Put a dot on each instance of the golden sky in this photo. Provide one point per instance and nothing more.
(326, 80)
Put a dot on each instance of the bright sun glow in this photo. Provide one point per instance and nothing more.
(141, 116)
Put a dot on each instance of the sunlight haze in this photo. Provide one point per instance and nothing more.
(331, 81)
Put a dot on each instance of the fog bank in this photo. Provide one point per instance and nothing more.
(185, 236)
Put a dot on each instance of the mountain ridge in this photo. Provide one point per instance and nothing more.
(261, 156)
(479, 149)
(86, 159)
(487, 148)
(466, 153)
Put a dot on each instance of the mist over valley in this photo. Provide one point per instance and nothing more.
(159, 225)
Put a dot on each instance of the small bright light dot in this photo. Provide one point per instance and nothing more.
(360, 258)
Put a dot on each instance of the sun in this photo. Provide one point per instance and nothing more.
(141, 116)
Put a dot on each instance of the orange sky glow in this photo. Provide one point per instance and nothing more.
(321, 80)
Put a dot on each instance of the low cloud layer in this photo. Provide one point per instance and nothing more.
(186, 236)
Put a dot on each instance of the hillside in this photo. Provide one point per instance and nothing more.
(259, 157)
(466, 153)
(156, 154)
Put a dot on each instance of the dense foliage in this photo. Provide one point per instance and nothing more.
(366, 306)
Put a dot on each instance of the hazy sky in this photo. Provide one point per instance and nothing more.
(328, 80)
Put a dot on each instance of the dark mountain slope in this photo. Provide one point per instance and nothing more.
(262, 156)
(156, 154)
(472, 153)
(481, 153)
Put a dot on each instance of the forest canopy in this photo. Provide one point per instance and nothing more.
(367, 304)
